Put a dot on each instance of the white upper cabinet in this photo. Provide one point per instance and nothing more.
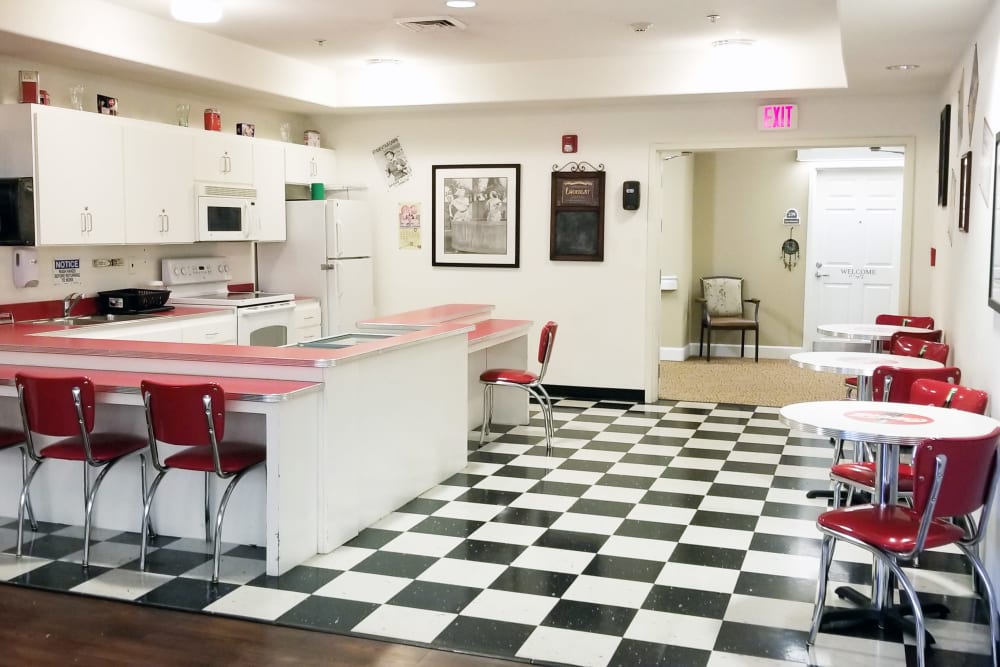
(307, 164)
(159, 184)
(78, 178)
(268, 167)
(223, 158)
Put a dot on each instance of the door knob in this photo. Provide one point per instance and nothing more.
(822, 275)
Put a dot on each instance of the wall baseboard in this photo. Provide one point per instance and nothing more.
(596, 393)
(766, 352)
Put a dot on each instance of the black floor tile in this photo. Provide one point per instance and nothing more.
(724, 520)
(752, 468)
(782, 544)
(527, 517)
(690, 474)
(732, 421)
(488, 496)
(852, 573)
(737, 491)
(694, 554)
(422, 506)
(690, 411)
(647, 459)
(487, 552)
(522, 472)
(601, 508)
(395, 564)
(776, 586)
(619, 567)
(463, 479)
(317, 612)
(571, 540)
(170, 561)
(533, 582)
(246, 551)
(763, 642)
(301, 579)
(685, 500)
(687, 601)
(187, 594)
(515, 439)
(585, 465)
(490, 457)
(627, 428)
(790, 511)
(373, 538)
(706, 433)
(650, 530)
(479, 635)
(758, 448)
(559, 489)
(798, 483)
(439, 525)
(698, 453)
(589, 617)
(662, 440)
(631, 653)
(574, 434)
(608, 446)
(626, 481)
(52, 547)
(435, 597)
(59, 575)
(810, 461)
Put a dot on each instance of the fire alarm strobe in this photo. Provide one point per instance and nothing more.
(569, 143)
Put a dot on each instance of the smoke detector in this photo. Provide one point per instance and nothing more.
(431, 23)
(641, 26)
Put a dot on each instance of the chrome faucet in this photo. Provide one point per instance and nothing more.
(70, 302)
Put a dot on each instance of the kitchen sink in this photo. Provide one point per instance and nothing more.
(83, 320)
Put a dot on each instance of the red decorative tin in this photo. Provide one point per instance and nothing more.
(213, 121)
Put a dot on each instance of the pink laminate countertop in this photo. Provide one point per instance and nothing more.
(19, 337)
(488, 328)
(120, 382)
(433, 315)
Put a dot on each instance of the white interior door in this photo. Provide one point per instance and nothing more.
(853, 247)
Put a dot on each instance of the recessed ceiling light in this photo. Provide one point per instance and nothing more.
(461, 4)
(382, 61)
(901, 68)
(196, 11)
(733, 42)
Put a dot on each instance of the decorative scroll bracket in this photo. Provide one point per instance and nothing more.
(578, 166)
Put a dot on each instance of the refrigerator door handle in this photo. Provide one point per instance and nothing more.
(336, 237)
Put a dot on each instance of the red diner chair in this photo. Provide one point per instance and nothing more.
(915, 321)
(9, 439)
(889, 384)
(524, 379)
(932, 335)
(193, 416)
(63, 407)
(905, 346)
(952, 477)
(919, 322)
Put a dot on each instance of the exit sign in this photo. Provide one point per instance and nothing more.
(778, 117)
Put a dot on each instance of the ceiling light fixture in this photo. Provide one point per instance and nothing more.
(713, 18)
(461, 4)
(373, 62)
(733, 42)
(641, 26)
(901, 68)
(196, 11)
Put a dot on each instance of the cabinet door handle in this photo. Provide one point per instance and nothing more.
(229, 164)
(313, 169)
(83, 221)
(166, 219)
(90, 221)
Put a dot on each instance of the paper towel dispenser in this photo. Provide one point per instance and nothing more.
(668, 283)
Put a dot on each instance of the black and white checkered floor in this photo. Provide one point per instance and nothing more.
(669, 534)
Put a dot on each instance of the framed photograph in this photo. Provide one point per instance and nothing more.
(964, 188)
(107, 105)
(577, 221)
(476, 215)
(994, 298)
(944, 147)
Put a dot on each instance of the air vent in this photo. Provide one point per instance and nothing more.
(431, 23)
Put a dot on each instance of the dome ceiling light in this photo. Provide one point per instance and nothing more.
(196, 11)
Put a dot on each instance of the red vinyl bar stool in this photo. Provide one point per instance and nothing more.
(63, 407)
(530, 382)
(9, 438)
(952, 477)
(194, 416)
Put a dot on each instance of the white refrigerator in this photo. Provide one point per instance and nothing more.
(327, 254)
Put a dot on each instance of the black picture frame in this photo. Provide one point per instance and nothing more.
(994, 293)
(476, 215)
(964, 190)
(944, 147)
(576, 231)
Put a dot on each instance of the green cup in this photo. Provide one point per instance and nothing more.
(318, 191)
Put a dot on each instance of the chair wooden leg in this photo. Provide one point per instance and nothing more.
(709, 357)
(756, 345)
(743, 342)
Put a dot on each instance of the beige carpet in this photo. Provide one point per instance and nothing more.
(773, 382)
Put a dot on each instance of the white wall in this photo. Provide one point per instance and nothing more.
(608, 329)
(960, 281)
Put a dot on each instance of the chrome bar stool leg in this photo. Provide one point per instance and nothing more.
(22, 505)
(208, 513)
(142, 479)
(487, 413)
(24, 476)
(146, 523)
(217, 551)
(89, 508)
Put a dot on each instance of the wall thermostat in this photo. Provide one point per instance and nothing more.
(630, 195)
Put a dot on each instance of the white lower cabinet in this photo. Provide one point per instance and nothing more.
(216, 329)
(308, 323)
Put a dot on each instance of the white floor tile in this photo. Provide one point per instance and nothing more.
(803, 472)
(504, 448)
(759, 439)
(637, 470)
(96, 534)
(755, 457)
(254, 602)
(462, 572)
(720, 659)
(553, 560)
(688, 486)
(544, 501)
(803, 567)
(597, 455)
(698, 577)
(481, 468)
(770, 612)
(724, 538)
(574, 476)
(608, 591)
(708, 443)
(571, 647)
(665, 451)
(732, 505)
(122, 584)
(406, 623)
(232, 570)
(636, 421)
(674, 629)
(637, 547)
(774, 525)
(587, 523)
(958, 636)
(508, 533)
(343, 558)
(605, 412)
(618, 494)
(444, 492)
(719, 427)
(107, 554)
(795, 497)
(511, 607)
(498, 483)
(596, 427)
(847, 651)
(671, 432)
(744, 479)
(364, 587)
(399, 521)
(618, 436)
(533, 461)
(943, 583)
(680, 516)
(471, 511)
(695, 463)
(423, 544)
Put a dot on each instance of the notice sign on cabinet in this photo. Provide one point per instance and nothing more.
(66, 271)
(778, 117)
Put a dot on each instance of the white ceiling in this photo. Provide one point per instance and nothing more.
(541, 50)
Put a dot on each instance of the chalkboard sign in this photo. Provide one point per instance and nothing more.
(577, 222)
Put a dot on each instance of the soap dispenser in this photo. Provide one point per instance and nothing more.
(25, 267)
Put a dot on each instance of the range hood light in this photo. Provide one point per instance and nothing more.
(196, 11)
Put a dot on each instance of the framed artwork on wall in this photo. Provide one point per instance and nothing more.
(994, 298)
(964, 188)
(576, 231)
(944, 147)
(476, 215)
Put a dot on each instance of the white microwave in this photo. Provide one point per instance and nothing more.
(225, 213)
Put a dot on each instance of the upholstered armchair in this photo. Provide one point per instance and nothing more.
(723, 307)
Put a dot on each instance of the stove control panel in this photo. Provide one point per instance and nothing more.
(195, 270)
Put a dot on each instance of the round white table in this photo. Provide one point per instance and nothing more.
(891, 426)
(860, 364)
(876, 334)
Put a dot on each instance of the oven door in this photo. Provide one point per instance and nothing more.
(224, 218)
(268, 325)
